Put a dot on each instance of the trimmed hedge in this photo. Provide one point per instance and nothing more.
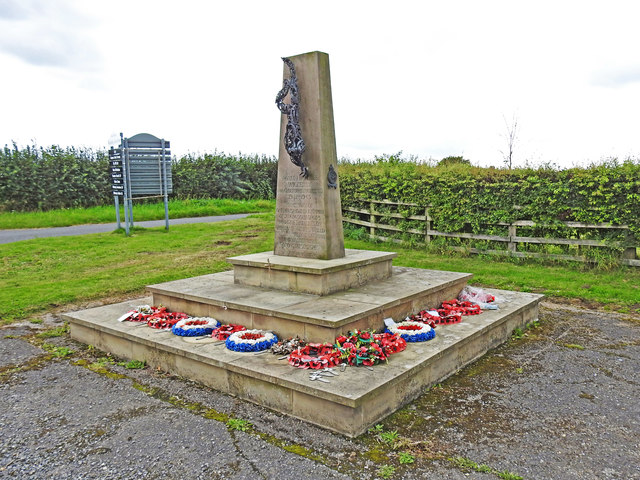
(470, 196)
(46, 178)
(462, 196)
(220, 175)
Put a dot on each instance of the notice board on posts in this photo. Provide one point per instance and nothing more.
(140, 168)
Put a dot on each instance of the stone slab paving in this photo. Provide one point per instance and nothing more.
(540, 407)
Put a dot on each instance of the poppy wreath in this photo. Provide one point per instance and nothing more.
(250, 341)
(455, 305)
(141, 313)
(195, 326)
(315, 356)
(433, 320)
(359, 348)
(164, 320)
(223, 331)
(390, 342)
(413, 331)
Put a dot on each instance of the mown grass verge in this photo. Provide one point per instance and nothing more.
(617, 289)
(141, 212)
(43, 274)
(48, 273)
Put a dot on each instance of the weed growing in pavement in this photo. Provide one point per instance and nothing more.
(376, 429)
(406, 458)
(60, 352)
(54, 332)
(238, 424)
(133, 364)
(466, 464)
(389, 438)
(386, 471)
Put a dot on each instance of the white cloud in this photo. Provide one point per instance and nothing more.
(617, 77)
(47, 34)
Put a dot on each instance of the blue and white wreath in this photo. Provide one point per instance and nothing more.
(195, 326)
(250, 341)
(412, 331)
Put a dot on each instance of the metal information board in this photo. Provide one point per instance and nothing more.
(140, 168)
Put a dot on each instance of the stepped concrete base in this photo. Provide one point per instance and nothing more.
(309, 275)
(317, 318)
(349, 404)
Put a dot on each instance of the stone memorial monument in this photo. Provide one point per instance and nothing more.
(309, 254)
(310, 286)
(308, 212)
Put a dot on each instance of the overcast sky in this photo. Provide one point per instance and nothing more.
(430, 78)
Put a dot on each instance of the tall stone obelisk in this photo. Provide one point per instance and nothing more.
(308, 210)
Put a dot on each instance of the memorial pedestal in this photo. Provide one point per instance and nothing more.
(308, 275)
(312, 288)
(317, 318)
(351, 402)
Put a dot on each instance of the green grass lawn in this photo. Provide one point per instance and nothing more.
(61, 273)
(141, 212)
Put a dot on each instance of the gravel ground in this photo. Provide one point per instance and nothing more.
(559, 402)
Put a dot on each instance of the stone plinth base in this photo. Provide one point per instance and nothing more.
(317, 318)
(307, 275)
(349, 404)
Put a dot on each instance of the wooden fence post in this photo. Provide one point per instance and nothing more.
(372, 220)
(629, 252)
(427, 223)
(512, 246)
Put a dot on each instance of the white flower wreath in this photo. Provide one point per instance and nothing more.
(195, 326)
(250, 341)
(412, 331)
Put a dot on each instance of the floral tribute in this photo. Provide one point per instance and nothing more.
(315, 356)
(165, 320)
(139, 314)
(390, 342)
(360, 348)
(455, 305)
(195, 326)
(155, 317)
(412, 331)
(224, 331)
(451, 311)
(286, 347)
(432, 319)
(250, 341)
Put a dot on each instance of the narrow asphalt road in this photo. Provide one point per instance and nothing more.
(9, 236)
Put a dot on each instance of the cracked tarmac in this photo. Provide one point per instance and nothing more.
(559, 402)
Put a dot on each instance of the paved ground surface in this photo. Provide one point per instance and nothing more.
(560, 402)
(8, 236)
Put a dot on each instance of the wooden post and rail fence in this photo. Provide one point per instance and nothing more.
(371, 218)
